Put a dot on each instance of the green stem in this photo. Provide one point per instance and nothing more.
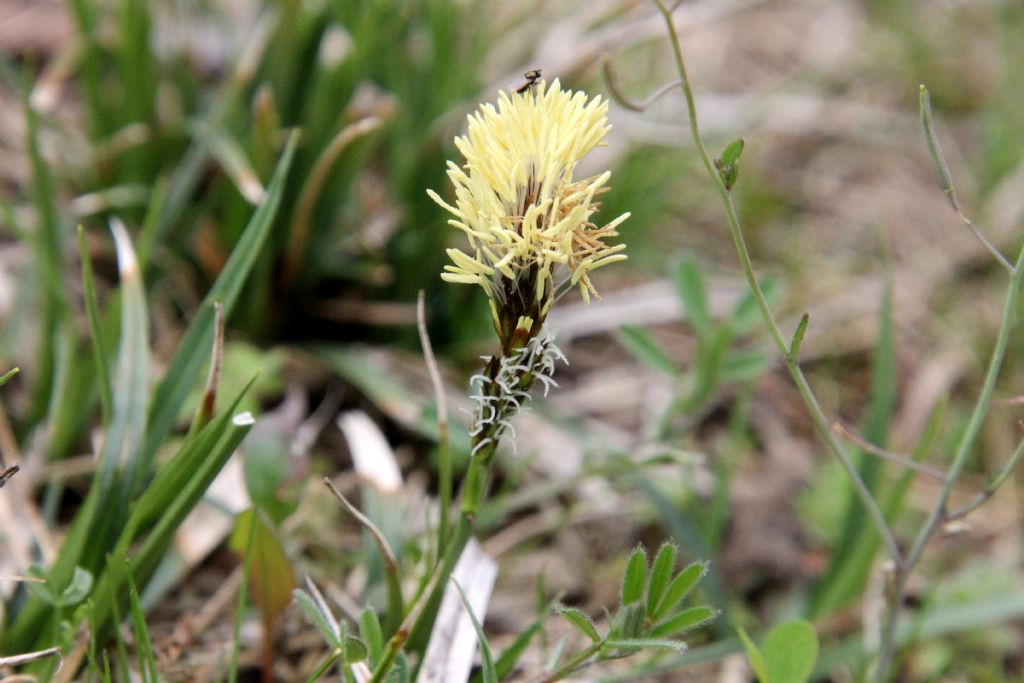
(573, 664)
(939, 512)
(324, 666)
(474, 490)
(991, 487)
(821, 423)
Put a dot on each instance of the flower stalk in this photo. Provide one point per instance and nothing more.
(528, 222)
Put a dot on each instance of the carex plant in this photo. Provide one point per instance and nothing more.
(532, 235)
(531, 239)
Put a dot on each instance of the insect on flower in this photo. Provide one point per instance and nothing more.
(528, 218)
(527, 82)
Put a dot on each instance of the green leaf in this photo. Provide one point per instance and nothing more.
(510, 656)
(680, 588)
(369, 631)
(160, 510)
(630, 621)
(41, 587)
(743, 365)
(690, 285)
(271, 579)
(353, 649)
(790, 651)
(732, 152)
(727, 163)
(120, 467)
(580, 621)
(754, 656)
(646, 349)
(636, 644)
(313, 613)
(193, 350)
(934, 149)
(488, 671)
(708, 363)
(747, 315)
(684, 621)
(635, 578)
(661, 575)
(77, 590)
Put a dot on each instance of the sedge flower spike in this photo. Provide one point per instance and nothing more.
(527, 218)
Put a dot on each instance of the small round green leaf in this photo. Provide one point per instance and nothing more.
(790, 651)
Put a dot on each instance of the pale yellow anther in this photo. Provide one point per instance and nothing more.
(516, 200)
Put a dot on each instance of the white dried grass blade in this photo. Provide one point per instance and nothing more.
(372, 457)
(453, 643)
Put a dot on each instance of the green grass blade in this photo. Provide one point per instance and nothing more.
(143, 642)
(100, 519)
(46, 247)
(138, 75)
(90, 76)
(509, 657)
(488, 671)
(174, 505)
(95, 330)
(647, 350)
(853, 556)
(184, 367)
(240, 603)
(119, 471)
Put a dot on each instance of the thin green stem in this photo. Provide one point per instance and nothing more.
(572, 665)
(991, 487)
(940, 513)
(946, 178)
(821, 422)
(473, 491)
(324, 666)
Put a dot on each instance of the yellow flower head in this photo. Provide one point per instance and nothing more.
(527, 219)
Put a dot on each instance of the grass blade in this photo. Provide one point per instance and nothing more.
(95, 330)
(489, 673)
(187, 362)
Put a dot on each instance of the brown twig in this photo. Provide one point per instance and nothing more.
(622, 99)
(445, 484)
(28, 657)
(7, 473)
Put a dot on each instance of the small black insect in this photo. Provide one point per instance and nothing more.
(528, 82)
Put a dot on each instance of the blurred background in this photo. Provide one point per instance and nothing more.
(674, 420)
